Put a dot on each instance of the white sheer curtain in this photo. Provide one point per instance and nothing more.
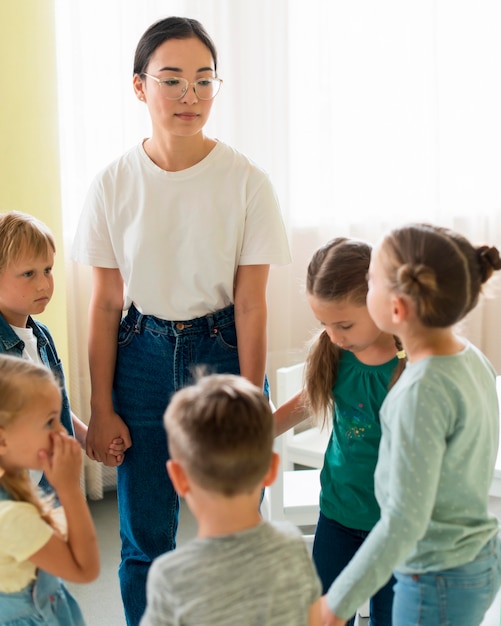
(365, 114)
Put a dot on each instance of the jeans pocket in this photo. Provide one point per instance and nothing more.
(227, 336)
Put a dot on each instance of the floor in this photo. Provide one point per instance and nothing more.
(100, 600)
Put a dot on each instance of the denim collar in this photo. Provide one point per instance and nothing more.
(10, 340)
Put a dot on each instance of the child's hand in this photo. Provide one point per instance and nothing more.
(117, 449)
(64, 465)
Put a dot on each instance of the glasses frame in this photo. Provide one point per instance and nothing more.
(161, 81)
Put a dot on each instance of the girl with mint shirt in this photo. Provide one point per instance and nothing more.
(440, 432)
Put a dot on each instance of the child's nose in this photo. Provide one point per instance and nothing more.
(334, 335)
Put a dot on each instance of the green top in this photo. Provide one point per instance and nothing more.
(347, 477)
(438, 450)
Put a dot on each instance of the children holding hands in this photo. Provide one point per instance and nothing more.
(440, 425)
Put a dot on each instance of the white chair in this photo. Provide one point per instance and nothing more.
(307, 447)
(294, 496)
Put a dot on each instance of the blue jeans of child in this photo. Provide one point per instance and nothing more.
(455, 597)
(156, 358)
(44, 601)
(333, 548)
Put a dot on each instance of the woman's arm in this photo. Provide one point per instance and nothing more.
(77, 558)
(104, 319)
(251, 317)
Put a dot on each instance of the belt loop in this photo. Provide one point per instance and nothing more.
(211, 325)
(138, 319)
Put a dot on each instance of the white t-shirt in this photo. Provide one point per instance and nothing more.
(178, 237)
(30, 352)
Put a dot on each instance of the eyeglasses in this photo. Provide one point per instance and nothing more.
(175, 87)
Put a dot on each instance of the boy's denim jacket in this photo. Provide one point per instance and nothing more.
(11, 344)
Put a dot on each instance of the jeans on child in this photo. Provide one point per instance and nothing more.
(44, 601)
(333, 548)
(455, 597)
(156, 358)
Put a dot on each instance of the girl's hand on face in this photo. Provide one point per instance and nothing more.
(63, 467)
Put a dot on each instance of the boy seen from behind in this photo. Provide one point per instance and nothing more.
(239, 569)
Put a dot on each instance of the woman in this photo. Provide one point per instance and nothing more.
(185, 228)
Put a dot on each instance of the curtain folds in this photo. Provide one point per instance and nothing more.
(366, 115)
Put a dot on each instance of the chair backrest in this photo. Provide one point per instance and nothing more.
(294, 495)
(306, 448)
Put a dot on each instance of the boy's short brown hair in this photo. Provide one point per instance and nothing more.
(221, 429)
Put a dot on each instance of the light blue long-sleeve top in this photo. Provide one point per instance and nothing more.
(440, 433)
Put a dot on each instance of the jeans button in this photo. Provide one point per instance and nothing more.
(180, 326)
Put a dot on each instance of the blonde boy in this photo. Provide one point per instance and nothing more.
(27, 250)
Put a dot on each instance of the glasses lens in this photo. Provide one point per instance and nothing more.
(174, 88)
(207, 88)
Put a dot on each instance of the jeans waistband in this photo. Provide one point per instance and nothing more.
(199, 324)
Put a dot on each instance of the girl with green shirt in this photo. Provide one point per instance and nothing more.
(349, 369)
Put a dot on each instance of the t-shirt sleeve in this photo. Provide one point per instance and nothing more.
(265, 237)
(418, 439)
(92, 244)
(22, 530)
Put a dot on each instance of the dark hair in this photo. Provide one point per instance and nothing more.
(438, 269)
(165, 29)
(336, 272)
(221, 429)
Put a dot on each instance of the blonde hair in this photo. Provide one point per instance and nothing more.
(438, 269)
(18, 378)
(337, 272)
(21, 233)
(221, 429)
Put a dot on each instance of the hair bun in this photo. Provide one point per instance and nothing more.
(489, 260)
(414, 280)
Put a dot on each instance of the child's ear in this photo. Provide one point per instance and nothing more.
(271, 475)
(3, 441)
(399, 309)
(178, 477)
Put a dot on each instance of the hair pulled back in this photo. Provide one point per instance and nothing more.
(438, 269)
(165, 29)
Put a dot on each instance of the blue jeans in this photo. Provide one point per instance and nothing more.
(44, 601)
(333, 548)
(156, 358)
(455, 597)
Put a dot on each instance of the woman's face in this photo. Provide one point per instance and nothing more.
(186, 58)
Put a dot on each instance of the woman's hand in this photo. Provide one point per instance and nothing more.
(107, 434)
